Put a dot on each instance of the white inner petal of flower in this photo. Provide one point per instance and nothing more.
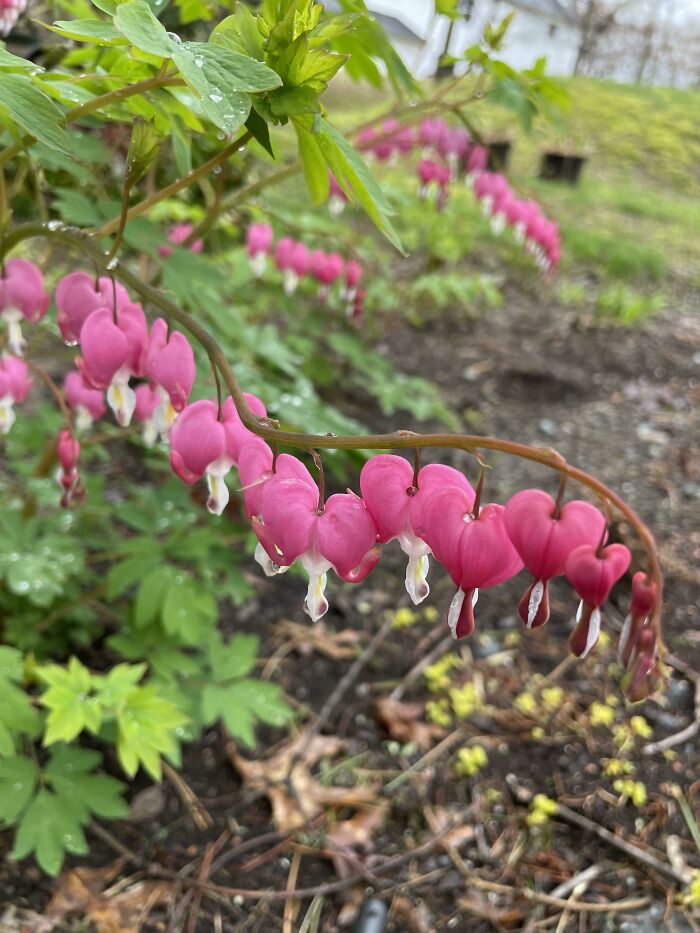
(7, 414)
(121, 398)
(456, 608)
(257, 264)
(416, 578)
(593, 632)
(150, 432)
(218, 490)
(83, 418)
(15, 341)
(290, 281)
(534, 602)
(316, 604)
(270, 568)
(624, 636)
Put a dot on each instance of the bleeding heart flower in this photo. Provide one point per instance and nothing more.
(170, 365)
(477, 159)
(87, 403)
(644, 598)
(392, 499)
(339, 536)
(475, 550)
(353, 274)
(177, 236)
(113, 353)
(255, 463)
(77, 296)
(286, 260)
(593, 572)
(15, 384)
(202, 443)
(544, 539)
(431, 134)
(22, 297)
(258, 245)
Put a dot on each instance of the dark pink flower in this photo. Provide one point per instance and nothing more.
(22, 297)
(77, 297)
(644, 598)
(112, 353)
(340, 535)
(386, 483)
(87, 403)
(593, 572)
(544, 540)
(475, 551)
(170, 364)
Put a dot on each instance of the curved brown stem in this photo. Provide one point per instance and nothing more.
(397, 440)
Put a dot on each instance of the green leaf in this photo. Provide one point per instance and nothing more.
(83, 792)
(240, 33)
(226, 108)
(314, 164)
(300, 66)
(449, 8)
(228, 69)
(151, 594)
(182, 150)
(126, 573)
(259, 128)
(136, 22)
(188, 610)
(147, 725)
(71, 700)
(34, 112)
(94, 31)
(241, 704)
(18, 777)
(143, 149)
(354, 178)
(235, 659)
(49, 830)
(15, 63)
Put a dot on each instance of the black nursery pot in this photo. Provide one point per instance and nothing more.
(562, 166)
(499, 153)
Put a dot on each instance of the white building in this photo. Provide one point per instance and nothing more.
(540, 28)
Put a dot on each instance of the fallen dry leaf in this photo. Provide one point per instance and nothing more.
(334, 645)
(405, 723)
(84, 891)
(294, 794)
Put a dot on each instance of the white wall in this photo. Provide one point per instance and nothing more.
(528, 38)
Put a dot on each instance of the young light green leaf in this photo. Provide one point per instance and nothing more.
(18, 777)
(240, 33)
(71, 700)
(93, 31)
(136, 22)
(147, 725)
(239, 705)
(143, 149)
(34, 112)
(313, 162)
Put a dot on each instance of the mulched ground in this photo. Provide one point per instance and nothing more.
(623, 404)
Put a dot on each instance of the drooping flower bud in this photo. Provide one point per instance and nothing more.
(170, 364)
(644, 598)
(68, 454)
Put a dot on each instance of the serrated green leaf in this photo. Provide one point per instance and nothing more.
(235, 659)
(72, 704)
(147, 725)
(11, 663)
(188, 610)
(34, 112)
(136, 22)
(49, 830)
(94, 31)
(240, 33)
(18, 777)
(239, 705)
(151, 594)
(85, 793)
(126, 573)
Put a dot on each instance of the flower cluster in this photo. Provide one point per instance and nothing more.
(295, 262)
(177, 236)
(10, 12)
(448, 153)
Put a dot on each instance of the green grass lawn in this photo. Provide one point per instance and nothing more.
(632, 225)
